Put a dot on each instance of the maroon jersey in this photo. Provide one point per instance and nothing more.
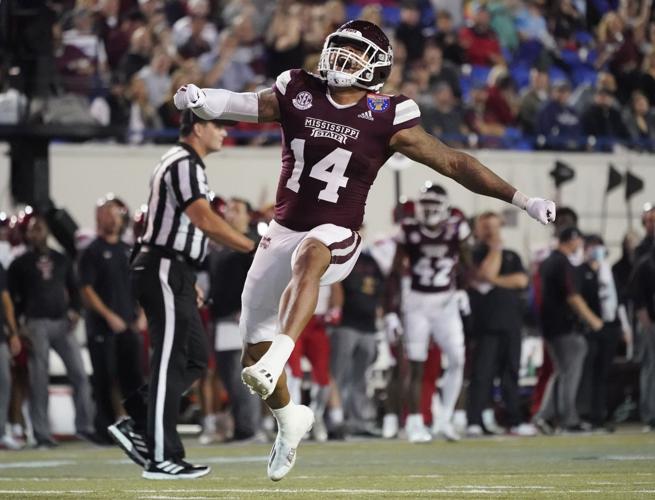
(332, 153)
(433, 256)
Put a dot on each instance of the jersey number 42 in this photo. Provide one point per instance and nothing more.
(330, 170)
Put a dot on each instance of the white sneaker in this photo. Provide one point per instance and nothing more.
(474, 431)
(447, 431)
(319, 431)
(416, 430)
(9, 442)
(283, 453)
(524, 430)
(259, 380)
(390, 426)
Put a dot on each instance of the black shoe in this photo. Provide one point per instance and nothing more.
(94, 438)
(581, 427)
(45, 443)
(131, 442)
(544, 426)
(174, 469)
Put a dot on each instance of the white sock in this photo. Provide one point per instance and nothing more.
(278, 354)
(336, 415)
(294, 384)
(282, 415)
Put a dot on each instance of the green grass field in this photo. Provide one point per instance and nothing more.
(620, 465)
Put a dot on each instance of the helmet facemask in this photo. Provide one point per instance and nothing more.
(350, 60)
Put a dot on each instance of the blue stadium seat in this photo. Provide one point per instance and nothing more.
(556, 73)
(391, 16)
(353, 11)
(521, 74)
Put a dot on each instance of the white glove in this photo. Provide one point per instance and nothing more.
(393, 327)
(542, 210)
(188, 97)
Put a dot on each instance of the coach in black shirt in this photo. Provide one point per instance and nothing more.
(112, 336)
(497, 309)
(353, 344)
(178, 224)
(643, 292)
(561, 305)
(44, 289)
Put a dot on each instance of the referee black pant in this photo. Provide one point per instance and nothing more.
(165, 289)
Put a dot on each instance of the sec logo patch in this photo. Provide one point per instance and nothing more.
(377, 102)
(303, 100)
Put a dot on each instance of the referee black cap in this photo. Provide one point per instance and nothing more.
(189, 119)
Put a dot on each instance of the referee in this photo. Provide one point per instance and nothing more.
(178, 225)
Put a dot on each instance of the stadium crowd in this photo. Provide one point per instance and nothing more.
(356, 361)
(526, 74)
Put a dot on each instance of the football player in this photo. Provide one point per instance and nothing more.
(431, 246)
(338, 131)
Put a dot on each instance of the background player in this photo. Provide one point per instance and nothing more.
(431, 246)
(338, 132)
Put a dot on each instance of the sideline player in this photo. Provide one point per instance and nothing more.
(432, 246)
(338, 132)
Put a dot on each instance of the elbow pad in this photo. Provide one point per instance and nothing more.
(222, 104)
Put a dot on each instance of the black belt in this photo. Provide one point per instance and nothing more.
(165, 253)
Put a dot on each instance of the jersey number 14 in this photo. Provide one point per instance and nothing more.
(329, 170)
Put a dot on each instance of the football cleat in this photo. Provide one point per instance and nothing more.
(390, 426)
(259, 380)
(173, 469)
(416, 430)
(284, 451)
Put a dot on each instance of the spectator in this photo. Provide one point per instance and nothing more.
(138, 55)
(156, 77)
(532, 100)
(10, 346)
(475, 115)
(227, 274)
(647, 78)
(640, 121)
(44, 289)
(447, 38)
(143, 117)
(445, 118)
(502, 102)
(440, 70)
(618, 49)
(561, 303)
(503, 23)
(230, 64)
(479, 42)
(409, 31)
(565, 20)
(497, 309)
(557, 121)
(643, 291)
(283, 40)
(82, 38)
(353, 343)
(531, 25)
(603, 121)
(196, 24)
(648, 221)
(598, 290)
(111, 319)
(116, 32)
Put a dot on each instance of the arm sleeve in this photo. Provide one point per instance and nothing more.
(186, 180)
(226, 105)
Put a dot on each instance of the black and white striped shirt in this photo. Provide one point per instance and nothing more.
(178, 180)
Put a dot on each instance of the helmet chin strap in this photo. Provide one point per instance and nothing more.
(340, 78)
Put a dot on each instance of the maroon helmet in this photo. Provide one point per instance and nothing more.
(357, 54)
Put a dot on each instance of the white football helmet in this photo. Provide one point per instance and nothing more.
(367, 67)
(433, 205)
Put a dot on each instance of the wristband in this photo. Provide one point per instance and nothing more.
(520, 200)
